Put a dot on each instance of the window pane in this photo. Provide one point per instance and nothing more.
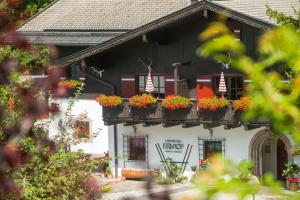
(161, 81)
(137, 149)
(162, 90)
(240, 82)
(211, 148)
(233, 82)
(141, 81)
(155, 81)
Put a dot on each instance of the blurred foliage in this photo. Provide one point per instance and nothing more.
(51, 174)
(272, 98)
(224, 179)
(29, 60)
(284, 19)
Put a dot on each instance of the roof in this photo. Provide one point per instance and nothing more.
(70, 38)
(159, 23)
(257, 8)
(101, 15)
(107, 19)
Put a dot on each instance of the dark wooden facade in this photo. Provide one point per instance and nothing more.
(175, 43)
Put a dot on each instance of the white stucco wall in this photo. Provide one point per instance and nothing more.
(98, 144)
(236, 143)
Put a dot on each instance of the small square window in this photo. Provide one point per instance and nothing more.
(137, 148)
(82, 129)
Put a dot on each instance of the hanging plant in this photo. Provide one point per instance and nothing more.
(243, 104)
(175, 102)
(109, 101)
(70, 84)
(143, 100)
(213, 103)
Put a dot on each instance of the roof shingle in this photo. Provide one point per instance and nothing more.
(99, 15)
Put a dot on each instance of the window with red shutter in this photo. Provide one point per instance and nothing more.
(128, 86)
(169, 85)
(204, 87)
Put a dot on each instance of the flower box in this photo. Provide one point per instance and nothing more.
(143, 113)
(176, 115)
(217, 115)
(111, 106)
(112, 112)
(212, 109)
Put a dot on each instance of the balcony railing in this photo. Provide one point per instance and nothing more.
(190, 117)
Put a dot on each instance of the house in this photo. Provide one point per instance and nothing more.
(163, 42)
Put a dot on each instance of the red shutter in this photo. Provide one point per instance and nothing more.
(237, 33)
(204, 86)
(169, 85)
(128, 86)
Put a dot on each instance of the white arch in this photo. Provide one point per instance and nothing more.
(255, 148)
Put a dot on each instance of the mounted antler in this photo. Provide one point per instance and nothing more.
(225, 65)
(149, 66)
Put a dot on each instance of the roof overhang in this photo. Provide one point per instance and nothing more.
(70, 38)
(157, 24)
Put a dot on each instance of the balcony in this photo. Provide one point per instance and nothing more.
(187, 118)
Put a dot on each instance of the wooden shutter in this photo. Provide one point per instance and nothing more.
(237, 33)
(128, 86)
(204, 86)
(169, 84)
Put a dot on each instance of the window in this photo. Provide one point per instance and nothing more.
(74, 72)
(211, 148)
(158, 82)
(237, 33)
(137, 148)
(82, 129)
(234, 86)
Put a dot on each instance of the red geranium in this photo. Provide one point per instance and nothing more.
(243, 104)
(143, 100)
(109, 101)
(175, 102)
(69, 84)
(213, 103)
(293, 180)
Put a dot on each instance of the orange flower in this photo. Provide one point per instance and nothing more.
(175, 102)
(143, 100)
(243, 104)
(213, 103)
(69, 84)
(109, 101)
(11, 104)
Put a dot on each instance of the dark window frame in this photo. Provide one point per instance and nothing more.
(158, 88)
(229, 78)
(126, 149)
(201, 146)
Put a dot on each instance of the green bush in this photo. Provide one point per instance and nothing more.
(58, 175)
(108, 171)
(106, 188)
(174, 174)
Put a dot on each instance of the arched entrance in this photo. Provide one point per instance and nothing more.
(269, 153)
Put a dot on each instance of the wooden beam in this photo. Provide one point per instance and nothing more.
(211, 125)
(231, 126)
(147, 124)
(169, 124)
(249, 127)
(130, 123)
(189, 125)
